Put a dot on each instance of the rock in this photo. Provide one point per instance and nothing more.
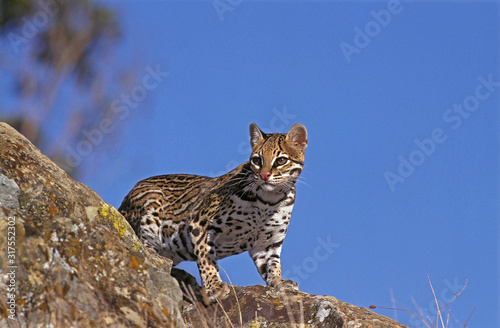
(77, 261)
(260, 306)
(69, 259)
(9, 191)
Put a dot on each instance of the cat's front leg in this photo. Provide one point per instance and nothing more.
(207, 265)
(209, 273)
(268, 263)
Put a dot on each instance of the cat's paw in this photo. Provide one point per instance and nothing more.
(288, 284)
(217, 291)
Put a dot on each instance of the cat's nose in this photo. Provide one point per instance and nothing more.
(265, 175)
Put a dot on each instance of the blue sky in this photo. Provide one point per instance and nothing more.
(407, 94)
(401, 102)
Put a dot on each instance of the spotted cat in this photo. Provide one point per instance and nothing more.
(196, 218)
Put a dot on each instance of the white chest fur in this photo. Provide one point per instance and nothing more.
(243, 225)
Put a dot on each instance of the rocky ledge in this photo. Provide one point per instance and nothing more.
(69, 259)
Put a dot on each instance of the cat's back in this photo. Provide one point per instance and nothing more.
(167, 197)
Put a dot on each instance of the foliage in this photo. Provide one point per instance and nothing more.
(60, 70)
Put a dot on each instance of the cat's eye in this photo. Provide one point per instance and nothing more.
(280, 161)
(256, 161)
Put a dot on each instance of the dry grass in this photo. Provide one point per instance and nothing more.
(429, 323)
(200, 303)
(213, 319)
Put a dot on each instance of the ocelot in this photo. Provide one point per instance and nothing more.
(196, 218)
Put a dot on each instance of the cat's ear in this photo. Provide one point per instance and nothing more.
(298, 136)
(255, 134)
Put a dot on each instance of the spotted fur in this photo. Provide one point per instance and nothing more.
(202, 219)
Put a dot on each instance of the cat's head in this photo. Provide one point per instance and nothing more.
(277, 159)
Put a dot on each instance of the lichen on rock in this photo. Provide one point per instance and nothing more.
(109, 216)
